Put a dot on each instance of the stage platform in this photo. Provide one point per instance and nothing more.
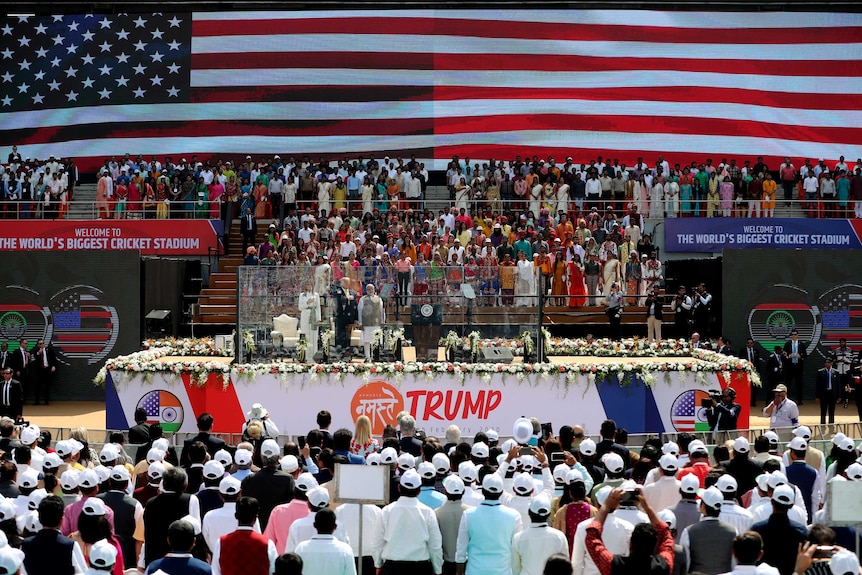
(643, 394)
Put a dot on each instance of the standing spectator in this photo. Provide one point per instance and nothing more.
(244, 550)
(532, 547)
(179, 560)
(665, 492)
(222, 520)
(161, 515)
(782, 411)
(323, 554)
(803, 476)
(731, 512)
(827, 391)
(787, 173)
(651, 550)
(128, 515)
(699, 457)
(213, 444)
(449, 519)
(796, 354)
(747, 551)
(48, 551)
(708, 544)
(781, 536)
(42, 367)
(140, 432)
(363, 443)
(11, 396)
(269, 486)
(486, 533)
(286, 514)
(412, 544)
(741, 467)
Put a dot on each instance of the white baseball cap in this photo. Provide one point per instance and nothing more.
(63, 448)
(668, 517)
(574, 475)
(109, 452)
(453, 485)
(372, 459)
(468, 472)
(712, 497)
(784, 495)
(120, 473)
(772, 437)
(492, 483)
(102, 554)
(671, 448)
(523, 484)
(836, 439)
(229, 485)
(727, 484)
(697, 446)
(560, 472)
(318, 497)
(94, 506)
(613, 463)
(223, 457)
(243, 457)
(35, 498)
(844, 562)
(69, 480)
(803, 431)
(30, 434)
(88, 479)
(161, 443)
(8, 509)
(410, 479)
(602, 494)
(441, 463)
(587, 447)
(426, 470)
(269, 448)
(306, 482)
(798, 444)
(668, 462)
(103, 473)
(479, 450)
(154, 455)
(540, 505)
(51, 461)
(388, 456)
(689, 484)
(741, 445)
(11, 559)
(762, 481)
(213, 470)
(776, 478)
(492, 435)
(854, 471)
(847, 444)
(288, 463)
(30, 479)
(406, 461)
(154, 472)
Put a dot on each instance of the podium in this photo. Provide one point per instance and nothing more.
(426, 320)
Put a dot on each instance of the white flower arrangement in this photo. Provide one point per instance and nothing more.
(474, 337)
(248, 342)
(151, 361)
(526, 340)
(326, 339)
(451, 342)
(395, 336)
(376, 339)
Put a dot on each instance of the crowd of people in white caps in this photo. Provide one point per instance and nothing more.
(537, 503)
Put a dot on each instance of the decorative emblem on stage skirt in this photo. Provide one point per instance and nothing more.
(163, 407)
(686, 412)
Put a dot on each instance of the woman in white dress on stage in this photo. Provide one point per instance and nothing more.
(309, 319)
(526, 286)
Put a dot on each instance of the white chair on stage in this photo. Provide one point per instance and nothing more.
(285, 330)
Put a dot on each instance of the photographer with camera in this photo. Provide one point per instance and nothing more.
(681, 306)
(722, 411)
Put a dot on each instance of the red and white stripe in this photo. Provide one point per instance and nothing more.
(484, 84)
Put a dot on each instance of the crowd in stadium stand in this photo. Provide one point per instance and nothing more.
(544, 504)
(141, 188)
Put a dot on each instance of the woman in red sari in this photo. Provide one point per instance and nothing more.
(577, 288)
(134, 201)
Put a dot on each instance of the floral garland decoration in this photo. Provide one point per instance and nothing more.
(451, 342)
(248, 342)
(473, 338)
(376, 339)
(395, 336)
(526, 340)
(205, 346)
(326, 338)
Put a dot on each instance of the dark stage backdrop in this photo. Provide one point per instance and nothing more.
(86, 305)
(769, 292)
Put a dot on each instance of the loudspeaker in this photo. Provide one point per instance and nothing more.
(496, 355)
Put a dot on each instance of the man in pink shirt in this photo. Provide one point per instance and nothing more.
(284, 515)
(88, 483)
(787, 173)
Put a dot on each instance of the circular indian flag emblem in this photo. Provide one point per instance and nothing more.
(163, 407)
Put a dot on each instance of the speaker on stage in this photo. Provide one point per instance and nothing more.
(496, 355)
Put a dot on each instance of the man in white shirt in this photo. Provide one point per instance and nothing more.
(487, 532)
(348, 519)
(731, 512)
(532, 547)
(412, 544)
(303, 529)
(664, 492)
(323, 554)
(616, 535)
